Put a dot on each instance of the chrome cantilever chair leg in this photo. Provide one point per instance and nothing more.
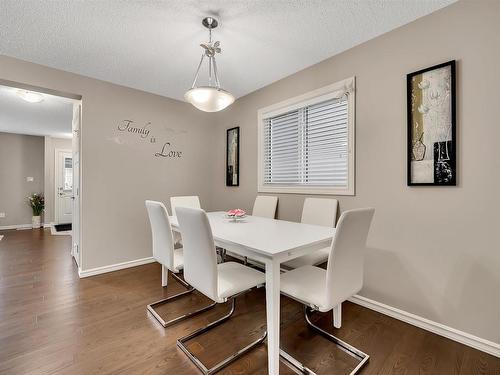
(181, 343)
(151, 307)
(349, 349)
(182, 281)
(221, 253)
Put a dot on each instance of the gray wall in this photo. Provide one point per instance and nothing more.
(434, 250)
(21, 156)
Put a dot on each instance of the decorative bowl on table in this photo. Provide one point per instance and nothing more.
(236, 214)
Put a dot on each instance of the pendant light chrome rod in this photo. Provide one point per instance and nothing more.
(198, 71)
(210, 70)
(217, 83)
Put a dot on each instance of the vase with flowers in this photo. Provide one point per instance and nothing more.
(37, 204)
(236, 214)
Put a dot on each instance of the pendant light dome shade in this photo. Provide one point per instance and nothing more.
(209, 99)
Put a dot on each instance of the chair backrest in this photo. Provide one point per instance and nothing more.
(346, 260)
(161, 230)
(265, 206)
(319, 211)
(191, 201)
(200, 258)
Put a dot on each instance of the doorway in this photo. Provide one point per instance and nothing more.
(51, 121)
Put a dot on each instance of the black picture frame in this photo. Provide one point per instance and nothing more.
(233, 166)
(450, 145)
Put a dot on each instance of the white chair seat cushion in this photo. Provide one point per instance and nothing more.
(307, 284)
(178, 259)
(234, 278)
(315, 258)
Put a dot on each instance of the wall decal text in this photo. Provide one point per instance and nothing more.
(126, 125)
(165, 153)
(144, 132)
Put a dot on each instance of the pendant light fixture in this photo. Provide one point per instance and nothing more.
(211, 98)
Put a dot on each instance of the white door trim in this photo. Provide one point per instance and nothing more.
(76, 237)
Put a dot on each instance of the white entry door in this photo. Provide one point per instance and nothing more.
(64, 186)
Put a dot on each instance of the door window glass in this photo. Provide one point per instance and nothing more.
(68, 173)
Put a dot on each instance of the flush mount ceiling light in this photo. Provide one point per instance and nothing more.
(30, 96)
(211, 98)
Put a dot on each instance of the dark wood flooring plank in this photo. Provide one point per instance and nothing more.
(52, 322)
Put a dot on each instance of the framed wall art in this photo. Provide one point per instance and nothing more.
(431, 107)
(233, 157)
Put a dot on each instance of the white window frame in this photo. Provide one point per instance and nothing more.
(336, 90)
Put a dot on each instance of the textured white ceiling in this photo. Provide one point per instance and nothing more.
(51, 117)
(153, 45)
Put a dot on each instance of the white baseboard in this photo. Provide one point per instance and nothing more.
(21, 226)
(16, 226)
(475, 342)
(114, 267)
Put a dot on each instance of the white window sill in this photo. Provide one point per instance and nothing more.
(310, 190)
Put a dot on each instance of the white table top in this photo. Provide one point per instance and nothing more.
(267, 237)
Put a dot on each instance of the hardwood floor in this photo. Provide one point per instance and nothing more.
(51, 322)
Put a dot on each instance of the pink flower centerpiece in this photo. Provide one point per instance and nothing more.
(236, 214)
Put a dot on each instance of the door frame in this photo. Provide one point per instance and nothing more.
(77, 103)
(56, 176)
(76, 148)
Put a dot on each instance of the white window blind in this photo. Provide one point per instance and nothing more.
(308, 146)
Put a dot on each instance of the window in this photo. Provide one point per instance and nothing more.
(68, 173)
(306, 144)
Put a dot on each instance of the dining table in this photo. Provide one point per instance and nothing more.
(270, 242)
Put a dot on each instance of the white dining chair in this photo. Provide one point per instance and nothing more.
(265, 206)
(219, 282)
(192, 201)
(321, 290)
(169, 258)
(316, 211)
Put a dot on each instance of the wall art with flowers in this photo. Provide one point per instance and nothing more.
(432, 126)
